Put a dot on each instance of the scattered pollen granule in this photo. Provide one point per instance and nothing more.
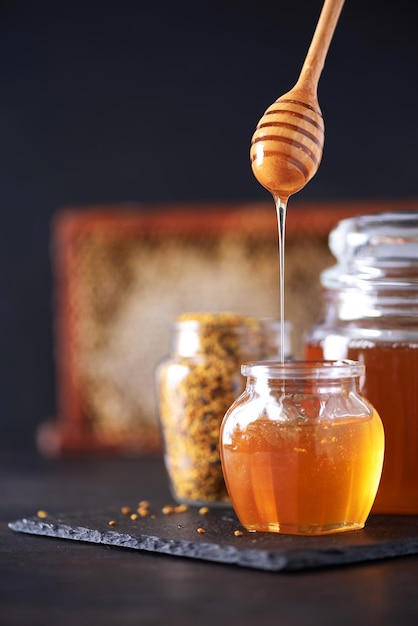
(238, 533)
(42, 513)
(181, 508)
(201, 531)
(126, 510)
(112, 522)
(204, 510)
(134, 516)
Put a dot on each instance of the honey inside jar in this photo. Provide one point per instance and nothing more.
(302, 462)
(390, 383)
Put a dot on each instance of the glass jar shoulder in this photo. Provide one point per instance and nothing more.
(301, 409)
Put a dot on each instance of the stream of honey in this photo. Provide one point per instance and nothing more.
(281, 226)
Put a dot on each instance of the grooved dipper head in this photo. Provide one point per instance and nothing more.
(286, 148)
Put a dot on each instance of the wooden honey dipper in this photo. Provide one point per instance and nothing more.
(286, 148)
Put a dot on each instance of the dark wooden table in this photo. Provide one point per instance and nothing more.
(50, 581)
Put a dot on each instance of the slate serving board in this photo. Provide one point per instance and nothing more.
(176, 534)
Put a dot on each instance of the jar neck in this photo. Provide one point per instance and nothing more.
(309, 386)
(380, 312)
(294, 377)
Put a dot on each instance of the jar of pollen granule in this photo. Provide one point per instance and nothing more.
(196, 385)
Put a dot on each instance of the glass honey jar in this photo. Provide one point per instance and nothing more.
(302, 449)
(196, 384)
(370, 314)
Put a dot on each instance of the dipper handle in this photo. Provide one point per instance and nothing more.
(315, 58)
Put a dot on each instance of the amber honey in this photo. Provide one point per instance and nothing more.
(391, 384)
(302, 460)
(314, 478)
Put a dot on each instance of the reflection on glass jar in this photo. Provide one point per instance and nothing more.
(302, 449)
(371, 315)
(196, 385)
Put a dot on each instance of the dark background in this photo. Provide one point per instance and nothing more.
(104, 102)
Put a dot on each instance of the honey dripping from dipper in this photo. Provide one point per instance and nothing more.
(286, 148)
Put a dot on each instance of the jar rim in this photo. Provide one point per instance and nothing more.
(324, 369)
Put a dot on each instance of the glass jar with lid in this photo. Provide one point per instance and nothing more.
(370, 314)
(302, 449)
(195, 386)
